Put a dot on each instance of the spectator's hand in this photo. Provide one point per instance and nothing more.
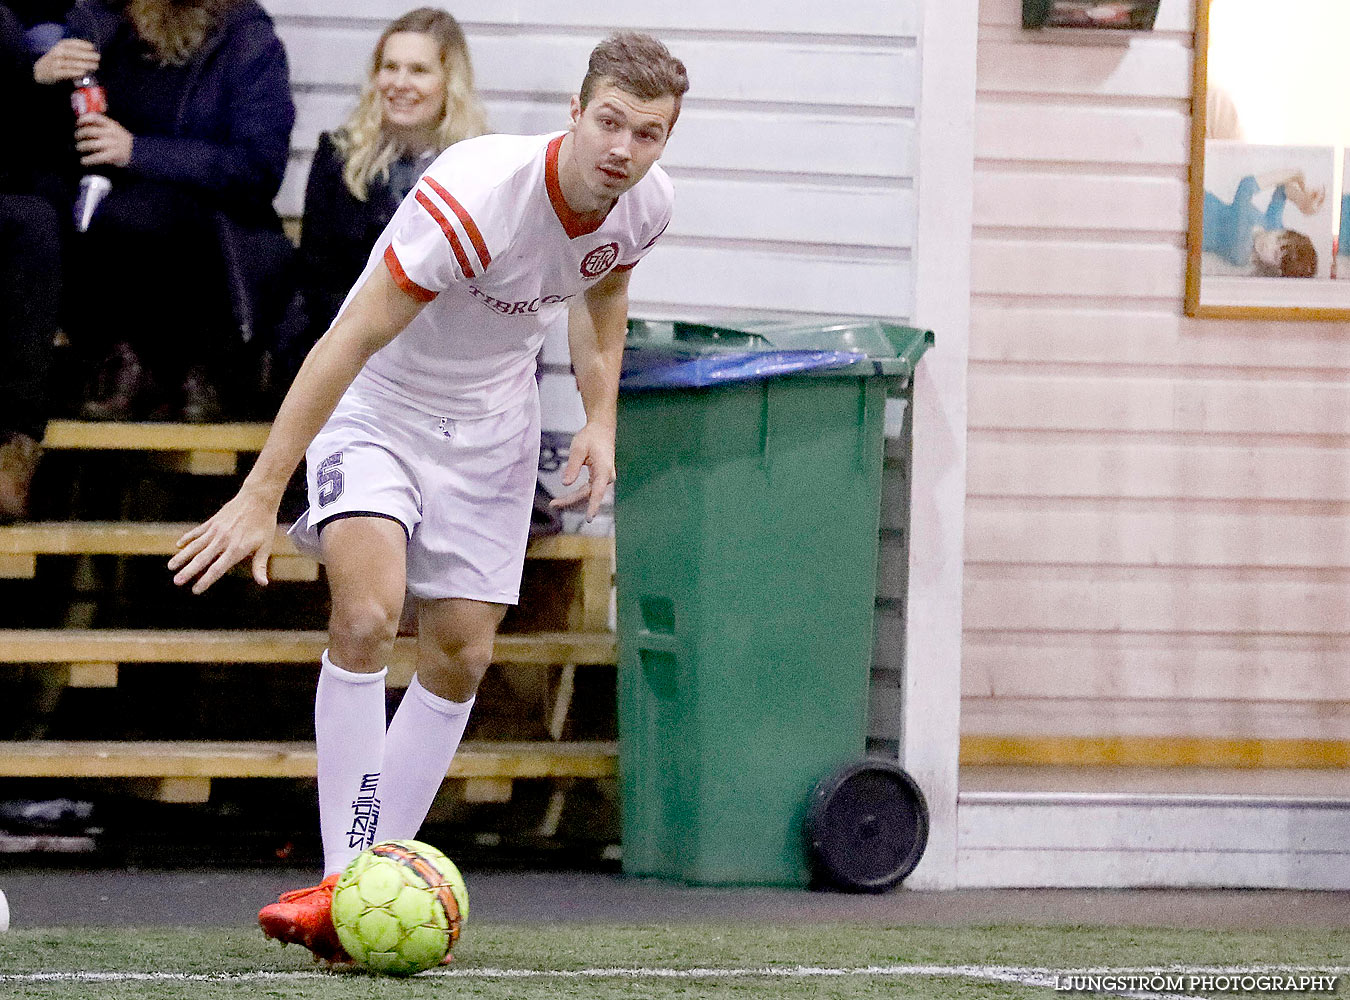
(592, 447)
(68, 59)
(244, 527)
(102, 141)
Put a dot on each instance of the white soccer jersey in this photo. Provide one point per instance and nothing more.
(486, 239)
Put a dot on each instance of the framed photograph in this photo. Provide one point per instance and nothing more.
(1126, 15)
(1268, 223)
(1270, 120)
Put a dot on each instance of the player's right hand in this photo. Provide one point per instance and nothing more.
(68, 59)
(244, 527)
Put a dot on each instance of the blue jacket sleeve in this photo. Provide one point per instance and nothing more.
(1275, 211)
(249, 164)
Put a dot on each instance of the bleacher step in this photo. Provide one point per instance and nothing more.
(21, 544)
(203, 449)
(265, 646)
(183, 771)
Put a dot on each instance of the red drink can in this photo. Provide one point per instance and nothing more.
(88, 97)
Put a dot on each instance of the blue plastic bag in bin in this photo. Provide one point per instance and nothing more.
(669, 367)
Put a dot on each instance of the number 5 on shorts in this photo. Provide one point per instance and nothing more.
(329, 478)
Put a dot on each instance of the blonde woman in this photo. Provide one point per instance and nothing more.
(418, 99)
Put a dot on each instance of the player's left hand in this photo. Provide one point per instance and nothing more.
(102, 141)
(593, 448)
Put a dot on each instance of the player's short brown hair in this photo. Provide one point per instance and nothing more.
(638, 64)
(1298, 256)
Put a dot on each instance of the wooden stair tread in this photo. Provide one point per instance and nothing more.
(98, 435)
(266, 646)
(174, 759)
(123, 538)
(159, 538)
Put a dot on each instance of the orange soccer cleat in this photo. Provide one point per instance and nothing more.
(305, 916)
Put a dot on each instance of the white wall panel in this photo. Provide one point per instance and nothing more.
(1084, 202)
(1144, 68)
(789, 71)
(1160, 718)
(1061, 267)
(1163, 405)
(1068, 532)
(1051, 132)
(1030, 465)
(1149, 668)
(1164, 534)
(1037, 334)
(752, 279)
(870, 18)
(1164, 600)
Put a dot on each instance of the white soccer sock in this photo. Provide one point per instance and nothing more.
(349, 739)
(422, 740)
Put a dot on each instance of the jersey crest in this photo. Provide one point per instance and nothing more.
(599, 260)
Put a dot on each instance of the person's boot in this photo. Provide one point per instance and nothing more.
(19, 457)
(201, 399)
(118, 388)
(305, 917)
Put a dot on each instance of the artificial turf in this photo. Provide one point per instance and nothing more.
(537, 961)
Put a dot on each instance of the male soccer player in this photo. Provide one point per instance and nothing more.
(421, 416)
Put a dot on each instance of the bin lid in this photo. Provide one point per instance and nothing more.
(663, 354)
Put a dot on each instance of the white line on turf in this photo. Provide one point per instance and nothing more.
(1026, 976)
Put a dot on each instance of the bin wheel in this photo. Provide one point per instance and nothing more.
(866, 826)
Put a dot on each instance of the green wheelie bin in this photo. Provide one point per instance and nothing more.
(747, 509)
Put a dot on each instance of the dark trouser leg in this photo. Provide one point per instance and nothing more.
(30, 292)
(151, 275)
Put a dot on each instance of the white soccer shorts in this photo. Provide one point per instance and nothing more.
(462, 489)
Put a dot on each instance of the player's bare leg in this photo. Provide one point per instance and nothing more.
(454, 649)
(455, 645)
(364, 558)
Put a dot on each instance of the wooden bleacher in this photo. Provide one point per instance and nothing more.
(203, 449)
(21, 544)
(182, 771)
(176, 771)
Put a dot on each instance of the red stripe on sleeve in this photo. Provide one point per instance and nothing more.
(449, 231)
(475, 237)
(412, 288)
(652, 242)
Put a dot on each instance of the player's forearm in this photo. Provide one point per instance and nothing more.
(320, 383)
(376, 315)
(597, 329)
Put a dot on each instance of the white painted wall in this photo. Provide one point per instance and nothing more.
(1157, 541)
(1156, 538)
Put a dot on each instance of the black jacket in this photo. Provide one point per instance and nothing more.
(336, 235)
(230, 141)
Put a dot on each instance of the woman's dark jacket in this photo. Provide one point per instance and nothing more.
(336, 235)
(230, 140)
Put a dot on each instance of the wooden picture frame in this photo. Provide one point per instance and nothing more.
(1320, 298)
